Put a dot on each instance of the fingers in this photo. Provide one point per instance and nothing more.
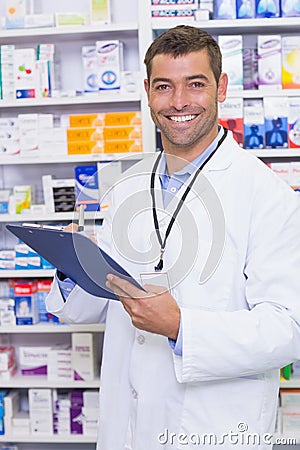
(71, 228)
(123, 287)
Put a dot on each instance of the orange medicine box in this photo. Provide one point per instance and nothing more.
(116, 146)
(123, 146)
(103, 133)
(85, 147)
(106, 119)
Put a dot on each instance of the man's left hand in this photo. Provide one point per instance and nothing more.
(155, 310)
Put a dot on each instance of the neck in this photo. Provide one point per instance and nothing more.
(177, 157)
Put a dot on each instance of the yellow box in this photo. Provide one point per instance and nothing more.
(87, 120)
(84, 147)
(113, 119)
(85, 134)
(290, 62)
(120, 133)
(116, 119)
(103, 133)
(123, 146)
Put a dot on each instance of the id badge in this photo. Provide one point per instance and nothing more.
(156, 279)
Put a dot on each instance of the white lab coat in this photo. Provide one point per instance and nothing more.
(239, 326)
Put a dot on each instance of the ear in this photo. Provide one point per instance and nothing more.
(222, 87)
(146, 86)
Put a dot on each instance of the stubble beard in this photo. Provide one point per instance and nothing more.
(188, 138)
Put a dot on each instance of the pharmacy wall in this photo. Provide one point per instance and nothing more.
(68, 113)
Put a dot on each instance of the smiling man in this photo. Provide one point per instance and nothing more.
(192, 361)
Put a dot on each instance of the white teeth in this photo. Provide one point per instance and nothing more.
(182, 118)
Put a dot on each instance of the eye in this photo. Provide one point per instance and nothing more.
(162, 87)
(197, 84)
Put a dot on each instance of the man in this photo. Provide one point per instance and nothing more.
(192, 360)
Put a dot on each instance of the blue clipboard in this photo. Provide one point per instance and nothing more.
(76, 256)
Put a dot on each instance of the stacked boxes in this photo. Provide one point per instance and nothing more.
(9, 136)
(25, 295)
(59, 364)
(8, 365)
(170, 9)
(75, 412)
(290, 408)
(84, 361)
(43, 289)
(59, 194)
(11, 403)
(26, 72)
(115, 132)
(40, 411)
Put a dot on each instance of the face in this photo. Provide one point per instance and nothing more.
(183, 99)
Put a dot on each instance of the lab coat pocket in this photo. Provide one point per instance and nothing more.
(218, 275)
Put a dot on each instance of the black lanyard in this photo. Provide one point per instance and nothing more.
(162, 243)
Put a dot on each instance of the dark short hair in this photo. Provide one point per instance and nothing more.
(184, 39)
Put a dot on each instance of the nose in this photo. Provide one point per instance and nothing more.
(179, 99)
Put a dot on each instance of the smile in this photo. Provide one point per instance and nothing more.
(182, 118)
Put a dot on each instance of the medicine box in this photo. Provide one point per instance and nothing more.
(175, 11)
(231, 117)
(104, 133)
(115, 146)
(269, 61)
(33, 360)
(15, 11)
(254, 124)
(245, 9)
(100, 11)
(4, 201)
(89, 63)
(109, 64)
(294, 122)
(290, 8)
(86, 187)
(113, 119)
(276, 122)
(25, 295)
(267, 9)
(22, 195)
(232, 56)
(83, 356)
(25, 73)
(225, 9)
(290, 62)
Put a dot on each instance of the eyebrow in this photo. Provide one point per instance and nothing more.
(189, 78)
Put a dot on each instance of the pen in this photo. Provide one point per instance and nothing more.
(81, 218)
(44, 227)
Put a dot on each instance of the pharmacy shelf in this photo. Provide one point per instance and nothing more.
(95, 98)
(67, 32)
(276, 153)
(52, 328)
(259, 93)
(51, 217)
(31, 438)
(293, 383)
(36, 381)
(242, 26)
(38, 273)
(65, 159)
